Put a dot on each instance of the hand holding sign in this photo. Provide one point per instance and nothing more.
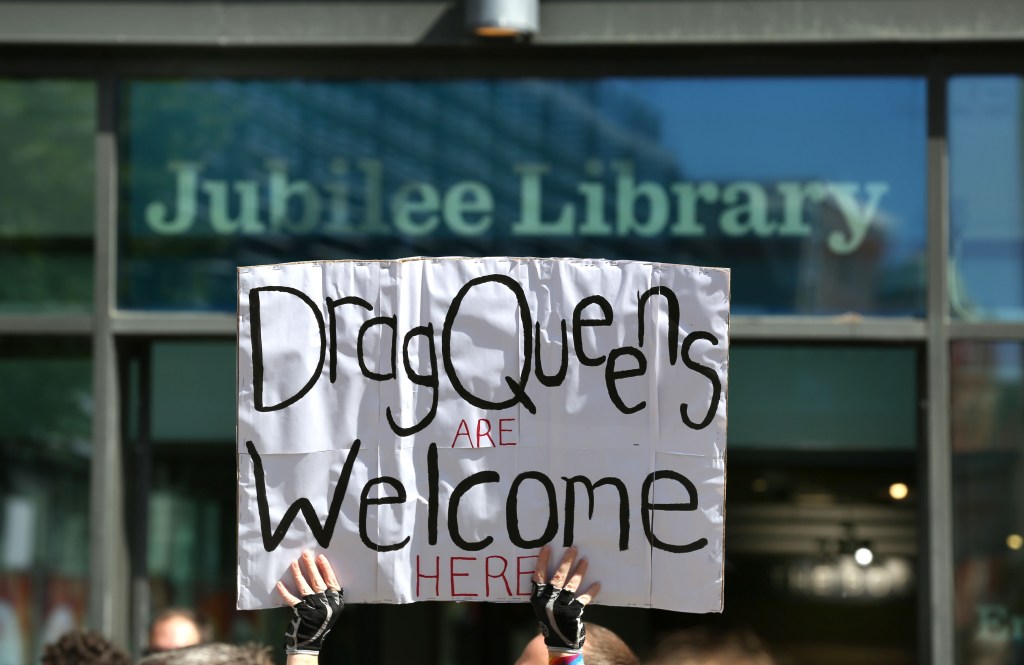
(318, 609)
(558, 610)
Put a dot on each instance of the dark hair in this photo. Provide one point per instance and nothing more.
(604, 647)
(212, 654)
(79, 647)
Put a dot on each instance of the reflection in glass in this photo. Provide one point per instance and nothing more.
(823, 502)
(795, 529)
(46, 194)
(180, 433)
(986, 149)
(811, 190)
(988, 476)
(45, 421)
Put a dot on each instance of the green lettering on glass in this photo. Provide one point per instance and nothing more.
(641, 208)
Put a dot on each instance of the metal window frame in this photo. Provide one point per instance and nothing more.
(940, 647)
(108, 611)
(109, 602)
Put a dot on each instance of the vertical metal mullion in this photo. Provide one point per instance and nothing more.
(142, 465)
(108, 582)
(941, 646)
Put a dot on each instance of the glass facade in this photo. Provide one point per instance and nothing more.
(45, 420)
(986, 259)
(180, 430)
(986, 148)
(811, 190)
(833, 398)
(812, 461)
(988, 463)
(818, 191)
(47, 193)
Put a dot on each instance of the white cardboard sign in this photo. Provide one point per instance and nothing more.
(430, 423)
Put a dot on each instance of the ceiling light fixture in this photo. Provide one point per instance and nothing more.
(899, 491)
(863, 555)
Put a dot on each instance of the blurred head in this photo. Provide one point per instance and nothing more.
(705, 646)
(601, 647)
(84, 648)
(212, 654)
(175, 629)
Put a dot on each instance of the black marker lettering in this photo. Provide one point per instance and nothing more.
(386, 321)
(257, 346)
(428, 380)
(647, 507)
(611, 375)
(673, 318)
(521, 396)
(716, 385)
(453, 510)
(512, 511)
(432, 499)
(365, 502)
(322, 533)
(578, 322)
(570, 507)
(331, 305)
(518, 389)
(563, 367)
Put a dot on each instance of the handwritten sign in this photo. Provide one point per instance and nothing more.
(431, 423)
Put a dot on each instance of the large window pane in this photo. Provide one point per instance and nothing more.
(179, 433)
(823, 443)
(986, 148)
(794, 528)
(812, 190)
(47, 130)
(823, 398)
(179, 370)
(988, 500)
(45, 422)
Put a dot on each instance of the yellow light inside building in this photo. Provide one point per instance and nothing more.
(1015, 541)
(899, 491)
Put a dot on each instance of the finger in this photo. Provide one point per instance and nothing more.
(328, 573)
(540, 572)
(558, 579)
(590, 594)
(577, 576)
(300, 581)
(287, 595)
(316, 582)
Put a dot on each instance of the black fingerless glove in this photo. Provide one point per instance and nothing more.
(314, 617)
(560, 616)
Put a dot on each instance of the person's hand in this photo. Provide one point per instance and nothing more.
(315, 613)
(555, 603)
